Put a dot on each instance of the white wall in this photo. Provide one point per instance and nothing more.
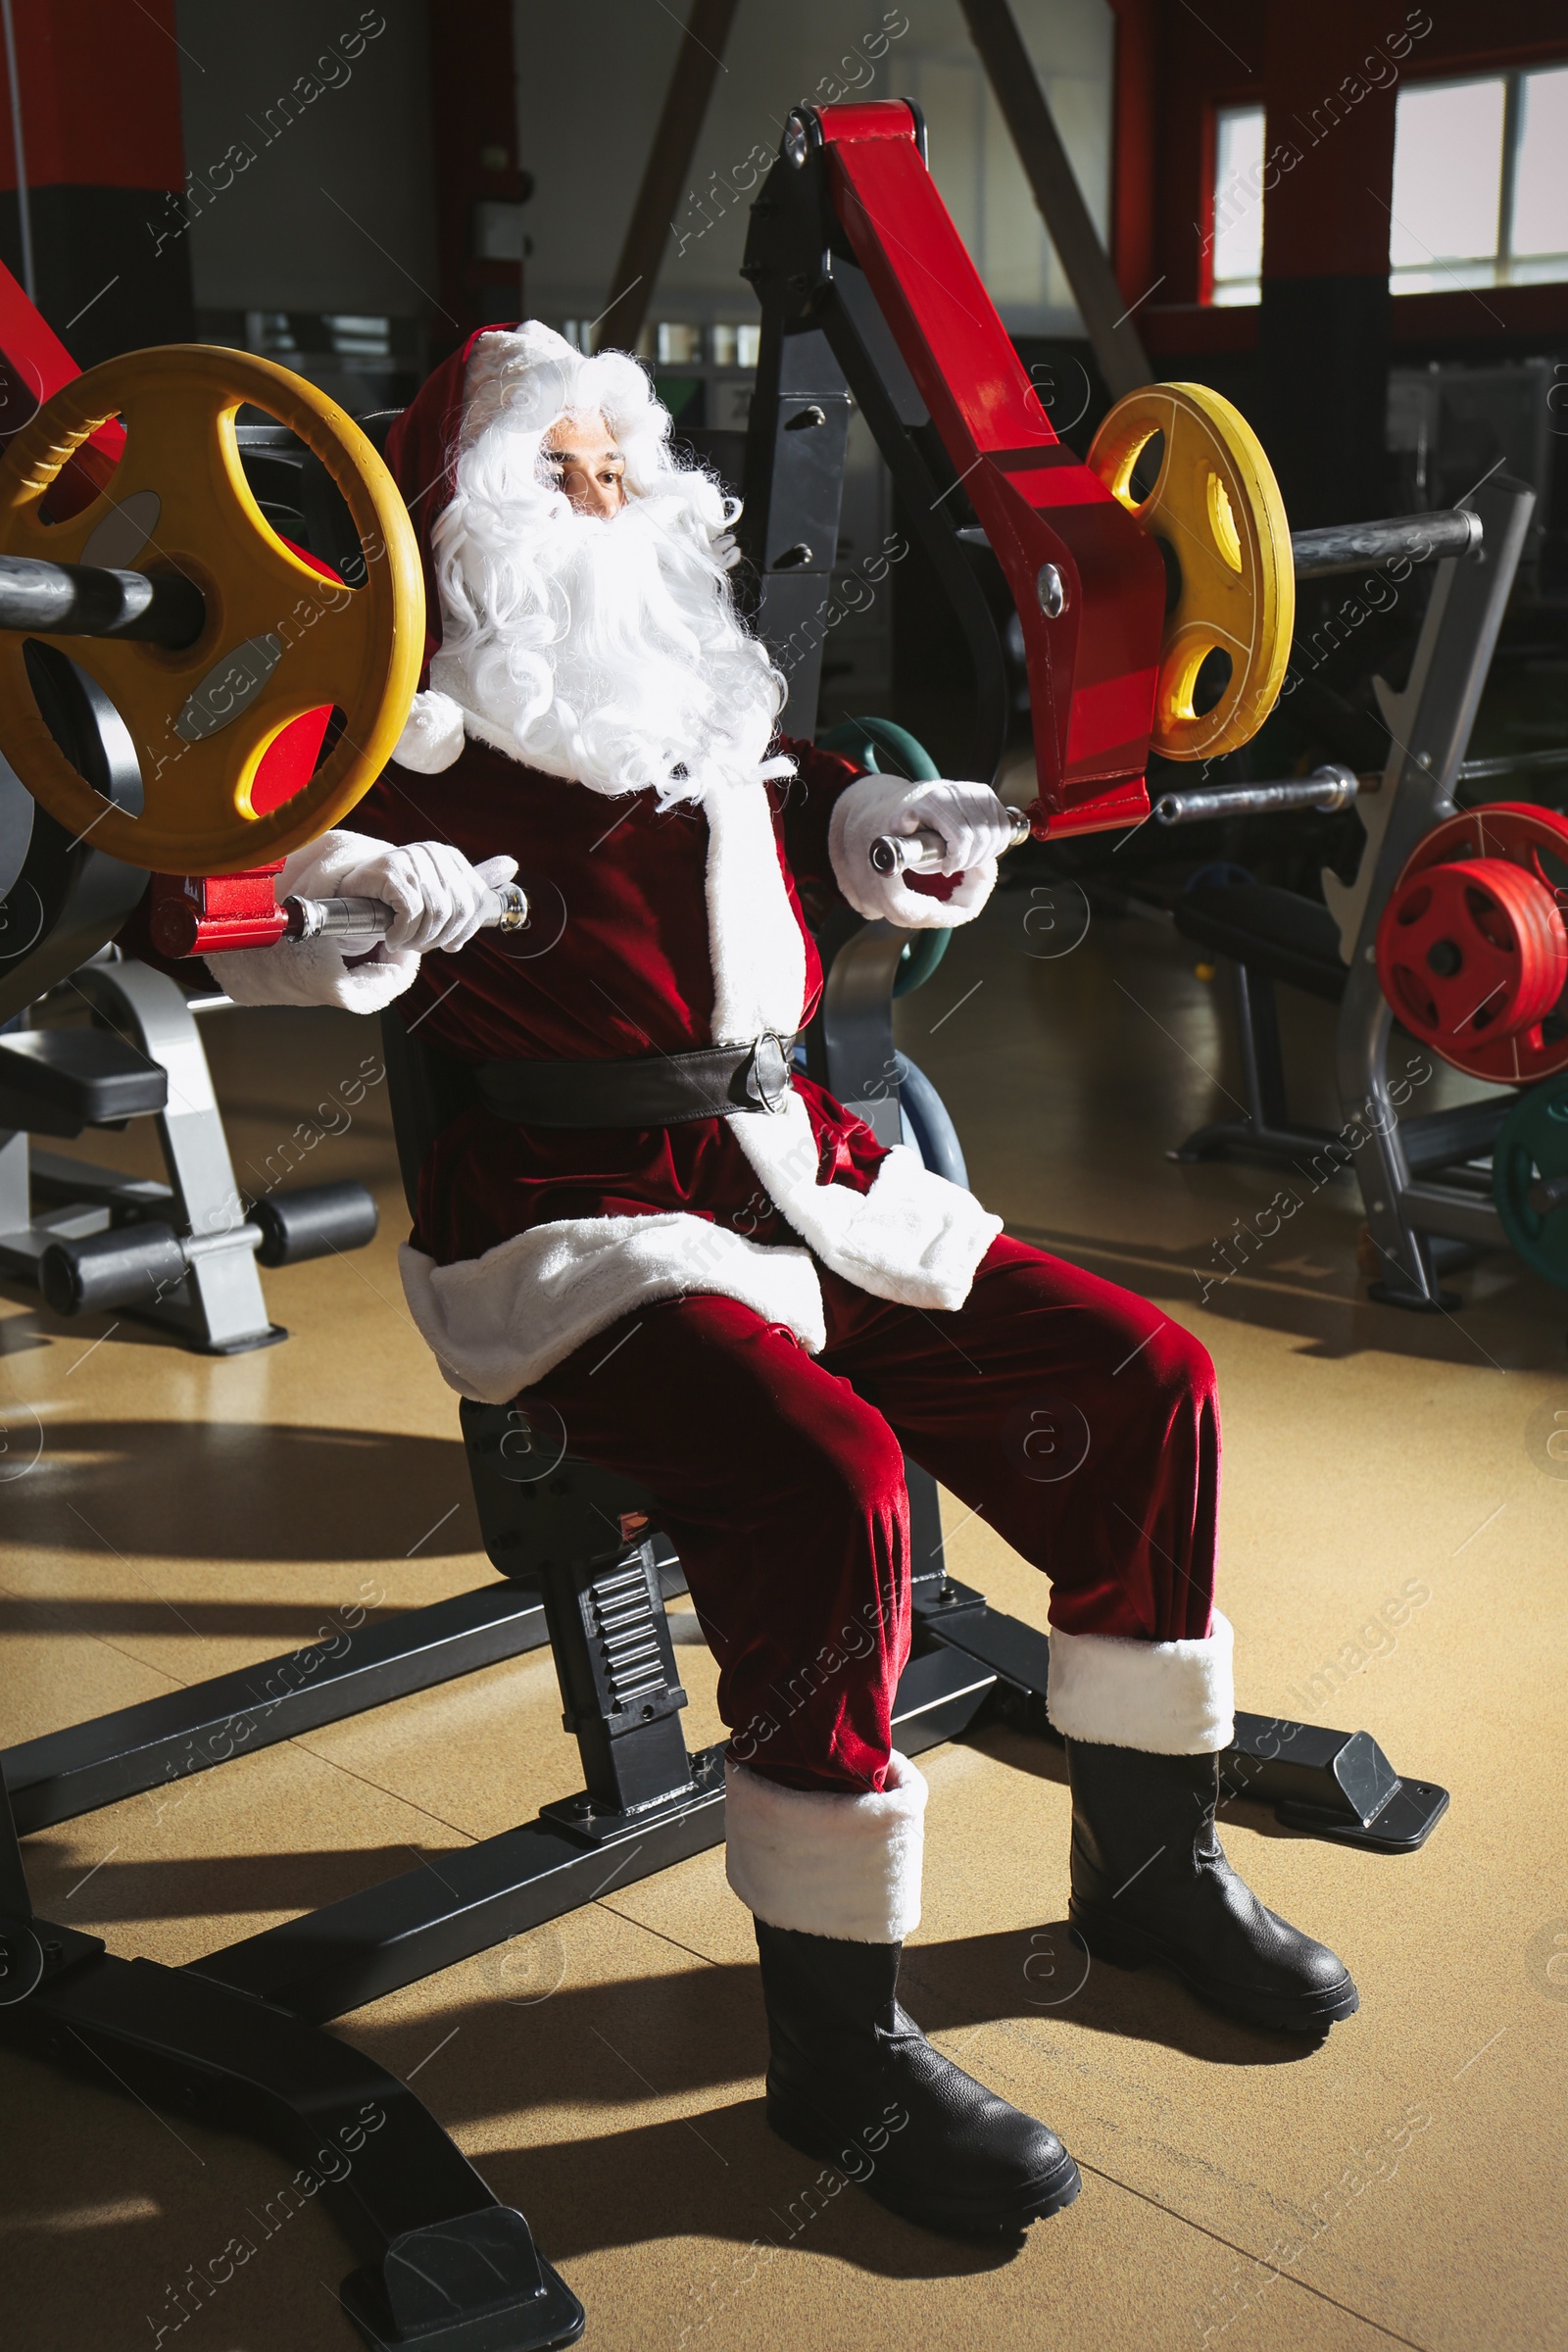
(587, 151)
(335, 212)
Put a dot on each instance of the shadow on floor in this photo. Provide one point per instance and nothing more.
(1333, 1324)
(244, 1491)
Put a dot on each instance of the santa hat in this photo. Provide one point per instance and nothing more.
(421, 449)
(535, 377)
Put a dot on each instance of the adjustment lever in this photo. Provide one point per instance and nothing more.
(922, 851)
(371, 918)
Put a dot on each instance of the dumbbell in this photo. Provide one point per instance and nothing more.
(136, 1265)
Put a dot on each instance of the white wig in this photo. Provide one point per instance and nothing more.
(605, 649)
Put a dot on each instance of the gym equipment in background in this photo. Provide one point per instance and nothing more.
(1530, 1178)
(1426, 1187)
(1471, 948)
(182, 1254)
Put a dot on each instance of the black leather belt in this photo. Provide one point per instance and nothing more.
(654, 1090)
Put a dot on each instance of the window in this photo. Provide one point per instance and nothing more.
(1480, 182)
(736, 346)
(1235, 246)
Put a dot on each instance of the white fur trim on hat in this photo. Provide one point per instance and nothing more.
(1170, 1699)
(825, 1865)
(874, 804)
(432, 737)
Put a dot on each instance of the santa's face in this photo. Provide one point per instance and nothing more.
(580, 457)
(587, 622)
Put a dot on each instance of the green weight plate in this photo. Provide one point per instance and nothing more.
(1528, 1164)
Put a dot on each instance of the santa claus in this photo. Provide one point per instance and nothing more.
(657, 1226)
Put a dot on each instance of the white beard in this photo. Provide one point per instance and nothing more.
(607, 651)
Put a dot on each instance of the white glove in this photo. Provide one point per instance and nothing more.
(973, 825)
(313, 971)
(337, 970)
(438, 900)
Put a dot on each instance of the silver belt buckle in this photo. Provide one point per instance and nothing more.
(768, 1077)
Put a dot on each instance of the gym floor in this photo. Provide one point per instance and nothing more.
(1393, 1558)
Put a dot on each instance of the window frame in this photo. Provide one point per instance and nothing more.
(1210, 284)
(1509, 268)
(1502, 261)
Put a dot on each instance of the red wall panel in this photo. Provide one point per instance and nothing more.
(99, 81)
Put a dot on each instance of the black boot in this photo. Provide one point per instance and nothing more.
(853, 2082)
(1150, 1881)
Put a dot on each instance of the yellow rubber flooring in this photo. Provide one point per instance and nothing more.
(1394, 1557)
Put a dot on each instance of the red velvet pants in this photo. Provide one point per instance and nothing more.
(1075, 1418)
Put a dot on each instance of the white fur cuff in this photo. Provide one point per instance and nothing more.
(313, 971)
(871, 806)
(1170, 1699)
(824, 1865)
(433, 736)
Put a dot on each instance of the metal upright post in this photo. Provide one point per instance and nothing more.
(1429, 728)
(219, 1305)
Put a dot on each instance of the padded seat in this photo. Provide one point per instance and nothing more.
(1270, 930)
(59, 1081)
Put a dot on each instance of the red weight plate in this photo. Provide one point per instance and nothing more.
(1534, 842)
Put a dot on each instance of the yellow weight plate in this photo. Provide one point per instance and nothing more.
(1217, 507)
(280, 640)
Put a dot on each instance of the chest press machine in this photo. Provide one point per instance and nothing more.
(1113, 651)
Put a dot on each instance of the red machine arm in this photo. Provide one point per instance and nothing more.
(1088, 585)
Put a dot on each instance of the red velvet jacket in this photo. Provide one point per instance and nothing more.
(615, 962)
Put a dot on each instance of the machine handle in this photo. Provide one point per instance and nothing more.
(922, 851)
(372, 918)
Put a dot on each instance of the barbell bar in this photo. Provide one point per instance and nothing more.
(1328, 788)
(82, 600)
(1408, 538)
(1351, 546)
